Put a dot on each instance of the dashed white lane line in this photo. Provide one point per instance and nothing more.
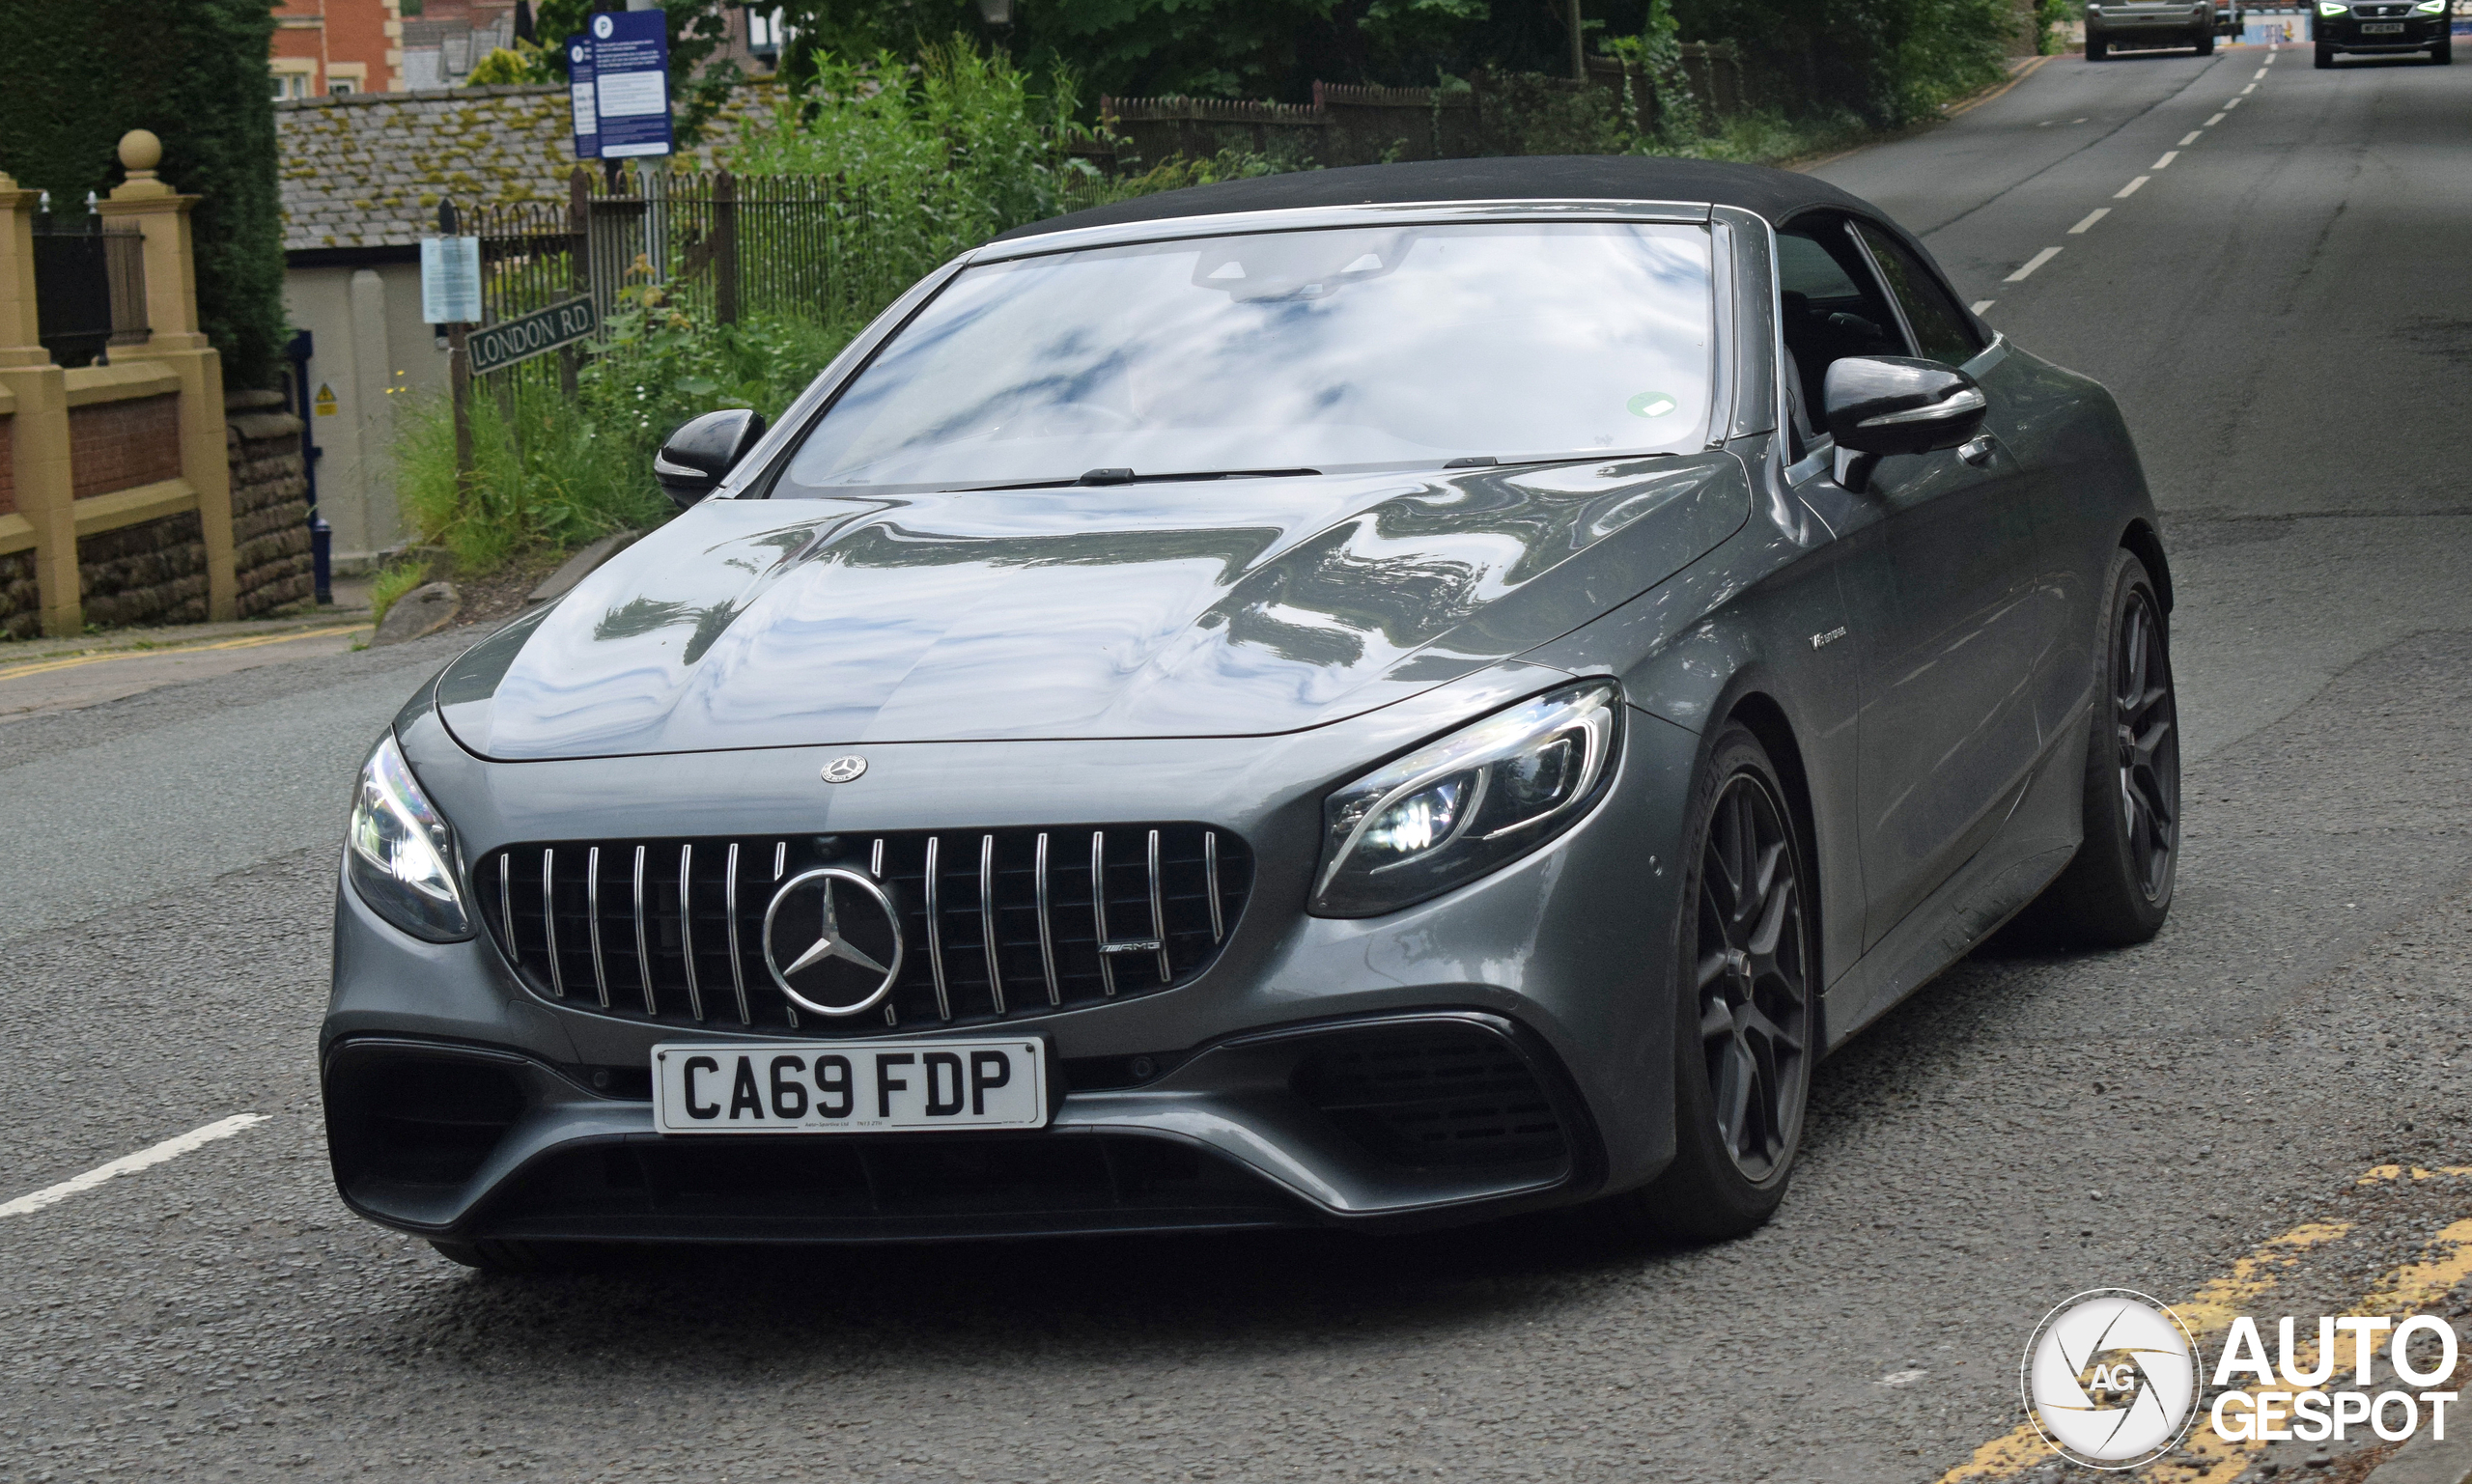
(2032, 263)
(2193, 136)
(2233, 102)
(2262, 71)
(1980, 305)
(2130, 189)
(2251, 88)
(2168, 155)
(2092, 218)
(130, 1164)
(2211, 122)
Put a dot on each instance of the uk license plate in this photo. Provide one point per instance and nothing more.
(845, 1087)
(2382, 28)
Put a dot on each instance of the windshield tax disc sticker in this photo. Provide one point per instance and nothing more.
(1651, 405)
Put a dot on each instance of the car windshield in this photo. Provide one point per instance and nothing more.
(1323, 350)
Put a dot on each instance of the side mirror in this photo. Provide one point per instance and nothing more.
(1883, 404)
(704, 449)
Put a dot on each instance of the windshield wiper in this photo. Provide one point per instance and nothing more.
(1121, 476)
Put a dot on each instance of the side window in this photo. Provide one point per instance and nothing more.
(1944, 332)
(1829, 307)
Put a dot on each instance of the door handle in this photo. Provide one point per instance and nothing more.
(1976, 450)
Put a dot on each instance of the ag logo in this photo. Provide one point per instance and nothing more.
(2109, 1378)
(832, 939)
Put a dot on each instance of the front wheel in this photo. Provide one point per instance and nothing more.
(2206, 42)
(2443, 53)
(1746, 982)
(2096, 52)
(2325, 56)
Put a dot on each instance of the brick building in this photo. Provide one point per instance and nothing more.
(332, 47)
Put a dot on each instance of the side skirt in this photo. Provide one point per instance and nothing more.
(2033, 847)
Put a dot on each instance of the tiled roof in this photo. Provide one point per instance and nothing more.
(367, 169)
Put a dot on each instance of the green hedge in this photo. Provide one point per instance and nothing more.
(77, 74)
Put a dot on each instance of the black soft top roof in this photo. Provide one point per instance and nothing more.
(1773, 194)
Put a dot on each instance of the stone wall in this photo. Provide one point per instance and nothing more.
(20, 600)
(7, 466)
(269, 503)
(149, 573)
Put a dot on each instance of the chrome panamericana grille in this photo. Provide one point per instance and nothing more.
(1000, 925)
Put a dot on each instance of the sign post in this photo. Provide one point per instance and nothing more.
(451, 297)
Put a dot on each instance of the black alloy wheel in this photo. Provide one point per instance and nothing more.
(2145, 746)
(1746, 1027)
(1754, 979)
(2116, 890)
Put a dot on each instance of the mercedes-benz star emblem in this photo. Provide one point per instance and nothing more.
(843, 768)
(832, 940)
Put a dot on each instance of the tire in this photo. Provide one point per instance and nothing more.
(2096, 52)
(2206, 42)
(2325, 56)
(2443, 53)
(2118, 889)
(1746, 1028)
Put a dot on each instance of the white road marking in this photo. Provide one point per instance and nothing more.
(2262, 71)
(2168, 155)
(2092, 218)
(2130, 189)
(2077, 120)
(2046, 124)
(2231, 103)
(1980, 305)
(130, 1164)
(2211, 122)
(2194, 136)
(1900, 1377)
(2032, 263)
(2251, 88)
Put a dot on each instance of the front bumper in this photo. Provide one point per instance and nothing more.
(2136, 28)
(461, 1105)
(2346, 33)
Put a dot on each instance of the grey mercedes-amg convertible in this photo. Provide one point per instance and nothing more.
(1360, 698)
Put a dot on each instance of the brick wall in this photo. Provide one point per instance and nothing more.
(269, 503)
(120, 445)
(149, 573)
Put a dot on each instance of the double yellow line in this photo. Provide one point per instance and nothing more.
(47, 666)
(2209, 1311)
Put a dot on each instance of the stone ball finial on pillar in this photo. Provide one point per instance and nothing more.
(140, 151)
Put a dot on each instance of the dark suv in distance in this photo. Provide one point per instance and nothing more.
(2139, 24)
(2382, 27)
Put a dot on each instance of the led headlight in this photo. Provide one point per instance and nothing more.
(399, 853)
(1468, 804)
(2330, 8)
(2432, 7)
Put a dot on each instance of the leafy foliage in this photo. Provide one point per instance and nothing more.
(199, 81)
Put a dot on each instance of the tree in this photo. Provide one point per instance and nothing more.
(194, 72)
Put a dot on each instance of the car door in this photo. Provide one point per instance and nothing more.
(1940, 575)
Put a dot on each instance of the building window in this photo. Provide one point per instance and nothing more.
(290, 85)
(764, 29)
(339, 89)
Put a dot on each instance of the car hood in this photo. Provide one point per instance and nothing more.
(1234, 608)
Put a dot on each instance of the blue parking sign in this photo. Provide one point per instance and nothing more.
(581, 100)
(631, 82)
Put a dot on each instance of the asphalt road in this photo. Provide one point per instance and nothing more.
(2285, 312)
